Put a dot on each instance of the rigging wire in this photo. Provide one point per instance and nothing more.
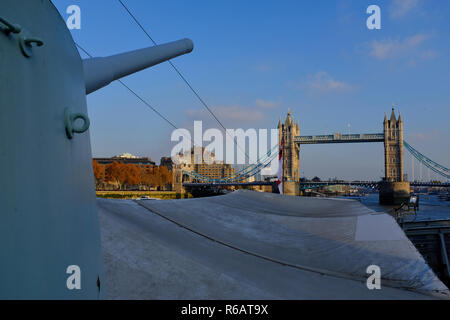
(195, 92)
(241, 174)
(138, 96)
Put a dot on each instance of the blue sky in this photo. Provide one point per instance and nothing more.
(255, 59)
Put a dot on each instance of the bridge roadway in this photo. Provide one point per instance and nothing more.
(228, 184)
(372, 183)
(309, 184)
(340, 138)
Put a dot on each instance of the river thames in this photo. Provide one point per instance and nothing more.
(430, 207)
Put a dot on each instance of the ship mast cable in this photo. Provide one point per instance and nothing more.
(183, 78)
(138, 96)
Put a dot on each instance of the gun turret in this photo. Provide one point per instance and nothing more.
(49, 229)
(99, 72)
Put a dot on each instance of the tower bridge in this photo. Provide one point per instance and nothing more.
(393, 188)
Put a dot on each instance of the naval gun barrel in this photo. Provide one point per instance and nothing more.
(99, 72)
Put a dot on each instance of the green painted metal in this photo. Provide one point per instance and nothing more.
(101, 71)
(48, 207)
(10, 27)
(47, 201)
(26, 45)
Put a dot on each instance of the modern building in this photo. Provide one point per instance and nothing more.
(126, 158)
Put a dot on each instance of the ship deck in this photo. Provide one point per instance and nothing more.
(250, 245)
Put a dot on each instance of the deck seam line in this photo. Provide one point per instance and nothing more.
(257, 255)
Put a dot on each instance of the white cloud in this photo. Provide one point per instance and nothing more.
(266, 104)
(389, 48)
(322, 82)
(399, 8)
(233, 113)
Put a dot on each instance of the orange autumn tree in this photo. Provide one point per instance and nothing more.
(166, 175)
(99, 173)
(114, 173)
(126, 176)
(131, 176)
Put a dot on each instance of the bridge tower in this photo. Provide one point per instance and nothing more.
(393, 148)
(394, 189)
(291, 160)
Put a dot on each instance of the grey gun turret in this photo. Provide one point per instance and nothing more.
(99, 72)
(49, 223)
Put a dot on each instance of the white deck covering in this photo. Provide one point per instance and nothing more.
(252, 245)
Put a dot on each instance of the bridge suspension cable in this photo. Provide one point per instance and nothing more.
(436, 167)
(249, 172)
(258, 165)
(241, 175)
(262, 163)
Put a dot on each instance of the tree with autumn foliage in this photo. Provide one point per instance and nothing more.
(99, 173)
(126, 176)
(113, 173)
(131, 175)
